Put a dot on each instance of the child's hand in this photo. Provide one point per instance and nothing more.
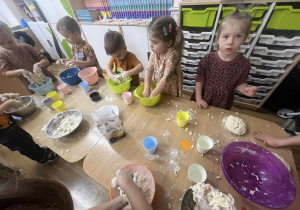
(146, 93)
(26, 73)
(250, 91)
(71, 63)
(124, 176)
(201, 103)
(12, 103)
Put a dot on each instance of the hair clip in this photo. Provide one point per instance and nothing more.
(177, 28)
(165, 31)
(170, 28)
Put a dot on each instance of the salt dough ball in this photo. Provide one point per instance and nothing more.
(235, 125)
(283, 161)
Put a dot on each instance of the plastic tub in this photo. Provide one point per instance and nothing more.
(190, 61)
(44, 89)
(189, 68)
(197, 36)
(70, 76)
(119, 89)
(287, 53)
(188, 87)
(199, 45)
(251, 101)
(272, 72)
(189, 82)
(261, 81)
(138, 92)
(272, 40)
(187, 75)
(197, 54)
(278, 63)
(255, 12)
(90, 75)
(28, 109)
(199, 18)
(284, 18)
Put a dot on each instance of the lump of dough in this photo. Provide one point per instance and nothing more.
(283, 161)
(235, 125)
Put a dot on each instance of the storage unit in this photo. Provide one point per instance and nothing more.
(272, 53)
(199, 18)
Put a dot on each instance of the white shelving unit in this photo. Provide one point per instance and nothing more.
(272, 56)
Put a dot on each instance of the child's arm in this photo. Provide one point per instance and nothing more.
(148, 76)
(7, 104)
(246, 90)
(274, 142)
(14, 73)
(136, 70)
(43, 62)
(159, 88)
(198, 92)
(83, 64)
(109, 72)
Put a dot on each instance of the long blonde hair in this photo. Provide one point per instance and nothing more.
(165, 28)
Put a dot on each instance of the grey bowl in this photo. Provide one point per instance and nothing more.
(26, 110)
(54, 123)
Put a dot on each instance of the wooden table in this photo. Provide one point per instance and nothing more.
(75, 146)
(105, 159)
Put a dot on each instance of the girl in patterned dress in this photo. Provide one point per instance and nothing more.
(166, 42)
(226, 70)
(17, 60)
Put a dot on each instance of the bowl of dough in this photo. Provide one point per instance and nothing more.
(26, 107)
(258, 175)
(120, 85)
(138, 92)
(70, 76)
(143, 178)
(63, 124)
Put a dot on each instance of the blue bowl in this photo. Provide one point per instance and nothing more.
(44, 89)
(70, 76)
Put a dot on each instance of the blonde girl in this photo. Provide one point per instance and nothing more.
(166, 43)
(17, 60)
(226, 70)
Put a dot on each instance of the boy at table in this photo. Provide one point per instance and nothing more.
(115, 46)
(15, 138)
(83, 53)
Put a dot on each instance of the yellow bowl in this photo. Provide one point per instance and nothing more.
(138, 92)
(119, 89)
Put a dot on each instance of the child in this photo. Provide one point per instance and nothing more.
(275, 142)
(166, 42)
(35, 193)
(15, 138)
(83, 53)
(225, 70)
(115, 46)
(19, 59)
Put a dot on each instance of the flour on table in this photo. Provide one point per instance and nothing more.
(283, 161)
(208, 197)
(235, 125)
(141, 181)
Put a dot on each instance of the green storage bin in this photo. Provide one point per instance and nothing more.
(255, 12)
(284, 18)
(199, 18)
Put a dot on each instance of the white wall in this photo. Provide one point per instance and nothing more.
(6, 15)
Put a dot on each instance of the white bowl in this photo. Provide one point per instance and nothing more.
(197, 174)
(54, 123)
(204, 144)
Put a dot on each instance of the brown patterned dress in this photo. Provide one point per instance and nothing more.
(162, 67)
(23, 56)
(220, 78)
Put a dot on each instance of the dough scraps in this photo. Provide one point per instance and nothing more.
(37, 77)
(66, 125)
(235, 125)
(208, 197)
(141, 181)
(120, 79)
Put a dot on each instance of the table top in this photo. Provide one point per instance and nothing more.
(75, 146)
(169, 164)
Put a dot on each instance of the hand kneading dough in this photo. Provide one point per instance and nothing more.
(235, 125)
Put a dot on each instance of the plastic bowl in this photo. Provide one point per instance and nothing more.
(44, 89)
(55, 122)
(28, 109)
(141, 169)
(138, 92)
(90, 75)
(70, 76)
(119, 89)
(258, 175)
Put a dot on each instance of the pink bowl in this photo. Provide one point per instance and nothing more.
(89, 75)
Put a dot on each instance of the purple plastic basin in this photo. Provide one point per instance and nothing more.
(258, 175)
